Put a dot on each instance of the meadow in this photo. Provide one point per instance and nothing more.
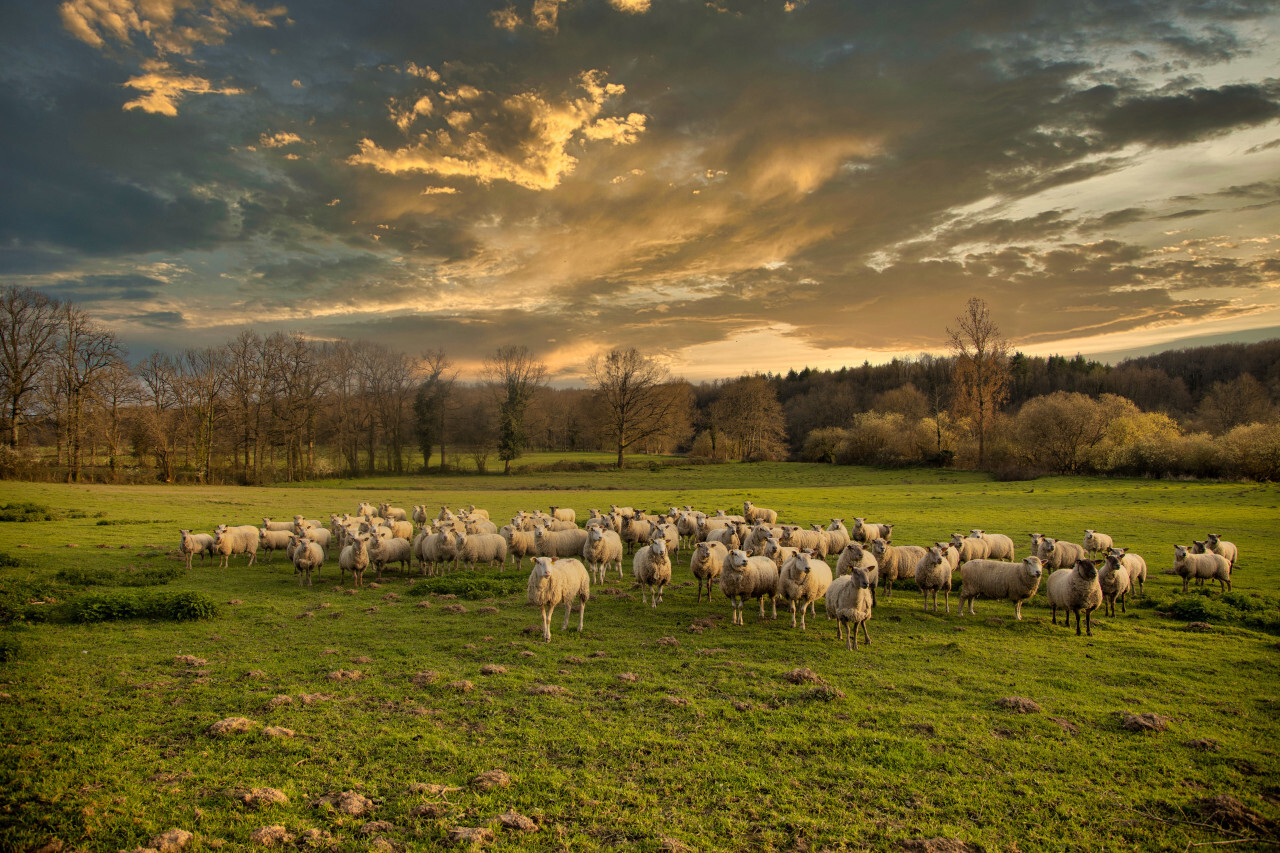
(654, 729)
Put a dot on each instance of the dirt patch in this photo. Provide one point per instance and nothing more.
(470, 835)
(1198, 627)
(255, 673)
(803, 676)
(189, 660)
(422, 679)
(668, 641)
(628, 677)
(673, 845)
(347, 802)
(271, 836)
(491, 779)
(455, 608)
(316, 839)
(488, 611)
(600, 654)
(430, 789)
(236, 601)
(307, 615)
(926, 729)
(678, 701)
(574, 659)
(232, 726)
(1068, 727)
(1144, 723)
(313, 698)
(277, 701)
(362, 659)
(939, 845)
(173, 841)
(1229, 813)
(461, 685)
(493, 669)
(547, 690)
(391, 596)
(278, 731)
(1203, 744)
(823, 693)
(345, 675)
(518, 822)
(430, 811)
(423, 605)
(375, 827)
(258, 797)
(1019, 705)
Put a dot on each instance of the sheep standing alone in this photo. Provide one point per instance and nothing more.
(354, 558)
(1016, 582)
(602, 549)
(896, 561)
(235, 540)
(706, 564)
(804, 578)
(1187, 565)
(748, 577)
(1224, 549)
(849, 603)
(308, 556)
(651, 567)
(1073, 590)
(933, 573)
(553, 582)
(1095, 542)
(195, 543)
(1114, 579)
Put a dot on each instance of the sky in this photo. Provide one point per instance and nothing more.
(731, 186)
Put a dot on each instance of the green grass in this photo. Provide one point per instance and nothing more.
(650, 743)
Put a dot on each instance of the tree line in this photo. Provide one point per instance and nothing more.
(282, 407)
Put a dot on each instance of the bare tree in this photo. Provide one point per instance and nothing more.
(750, 416)
(981, 369)
(431, 402)
(513, 376)
(632, 389)
(29, 323)
(157, 429)
(86, 353)
(117, 394)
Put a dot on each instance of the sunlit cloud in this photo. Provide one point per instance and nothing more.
(172, 26)
(164, 88)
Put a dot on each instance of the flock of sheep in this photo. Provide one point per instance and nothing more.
(750, 555)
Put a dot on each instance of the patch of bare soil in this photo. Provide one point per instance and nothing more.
(1144, 723)
(231, 726)
(491, 779)
(803, 676)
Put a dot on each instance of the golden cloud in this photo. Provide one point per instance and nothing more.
(173, 26)
(164, 87)
(280, 139)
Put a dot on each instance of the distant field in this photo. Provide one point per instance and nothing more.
(664, 729)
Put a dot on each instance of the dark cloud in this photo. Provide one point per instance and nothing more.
(106, 288)
(1186, 117)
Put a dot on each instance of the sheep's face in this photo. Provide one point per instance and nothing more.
(854, 550)
(595, 534)
(1198, 547)
(658, 547)
(975, 533)
(1113, 562)
(878, 547)
(737, 560)
(1180, 552)
(957, 539)
(1214, 538)
(860, 579)
(1086, 569)
(1033, 566)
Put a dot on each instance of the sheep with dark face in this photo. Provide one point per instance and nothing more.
(1074, 590)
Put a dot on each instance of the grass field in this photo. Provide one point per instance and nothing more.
(664, 729)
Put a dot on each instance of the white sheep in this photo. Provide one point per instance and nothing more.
(746, 577)
(865, 531)
(1016, 582)
(933, 573)
(481, 548)
(1061, 555)
(635, 531)
(273, 540)
(1223, 548)
(429, 549)
(804, 578)
(195, 543)
(308, 556)
(552, 582)
(671, 533)
(753, 513)
(999, 546)
(895, 561)
(706, 564)
(855, 556)
(564, 513)
(1187, 565)
(235, 540)
(1114, 579)
(472, 525)
(276, 525)
(400, 529)
(651, 567)
(354, 558)
(1073, 590)
(839, 535)
(383, 551)
(1095, 542)
(815, 540)
(970, 548)
(419, 515)
(366, 509)
(1135, 565)
(849, 603)
(776, 551)
(559, 543)
(602, 549)
(476, 512)
(392, 513)
(726, 536)
(318, 534)
(520, 543)
(301, 523)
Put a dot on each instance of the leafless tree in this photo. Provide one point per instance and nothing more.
(513, 376)
(634, 394)
(29, 323)
(749, 415)
(981, 369)
(86, 352)
(431, 402)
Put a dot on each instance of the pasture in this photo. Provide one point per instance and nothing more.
(666, 729)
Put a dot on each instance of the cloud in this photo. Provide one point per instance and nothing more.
(173, 26)
(634, 7)
(280, 139)
(164, 88)
(524, 138)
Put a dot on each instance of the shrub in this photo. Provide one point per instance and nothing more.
(105, 607)
(112, 607)
(25, 512)
(9, 649)
(822, 445)
(8, 561)
(149, 576)
(472, 585)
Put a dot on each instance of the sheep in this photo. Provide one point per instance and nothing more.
(933, 573)
(273, 540)
(635, 531)
(687, 524)
(308, 556)
(1061, 555)
(1134, 564)
(999, 546)
(706, 564)
(776, 551)
(564, 513)
(301, 523)
(366, 509)
(793, 537)
(195, 543)
(746, 577)
(839, 535)
(429, 548)
(855, 556)
(668, 531)
(276, 525)
(235, 540)
(651, 567)
(559, 524)
(757, 536)
(970, 548)
(1095, 542)
(559, 543)
(865, 531)
(554, 582)
(472, 526)
(1016, 582)
(1188, 565)
(602, 549)
(950, 553)
(392, 513)
(726, 536)
(895, 561)
(1073, 590)
(624, 511)
(354, 558)
(1114, 579)
(1223, 548)
(520, 543)
(481, 548)
(753, 513)
(419, 515)
(849, 601)
(383, 551)
(804, 578)
(318, 534)
(476, 512)
(706, 524)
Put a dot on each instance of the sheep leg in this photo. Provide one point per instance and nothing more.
(582, 611)
(1017, 610)
(865, 635)
(793, 612)
(568, 611)
(1088, 622)
(653, 596)
(946, 598)
(773, 601)
(546, 622)
(1123, 609)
